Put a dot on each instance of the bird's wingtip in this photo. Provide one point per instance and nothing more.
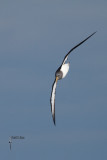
(54, 120)
(94, 32)
(54, 123)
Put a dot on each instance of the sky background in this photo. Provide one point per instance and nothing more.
(35, 35)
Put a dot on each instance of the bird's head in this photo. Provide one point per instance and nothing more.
(58, 75)
(10, 141)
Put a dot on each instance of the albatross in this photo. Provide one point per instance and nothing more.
(10, 142)
(61, 73)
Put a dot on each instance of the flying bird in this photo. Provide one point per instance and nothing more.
(10, 142)
(61, 73)
(14, 137)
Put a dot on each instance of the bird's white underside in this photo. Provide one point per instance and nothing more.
(65, 69)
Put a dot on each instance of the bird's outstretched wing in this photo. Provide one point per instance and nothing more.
(66, 57)
(10, 146)
(52, 100)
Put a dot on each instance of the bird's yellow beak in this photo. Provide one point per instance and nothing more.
(56, 79)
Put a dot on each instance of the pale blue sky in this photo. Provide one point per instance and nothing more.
(35, 35)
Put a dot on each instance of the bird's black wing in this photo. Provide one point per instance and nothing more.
(10, 146)
(66, 57)
(52, 100)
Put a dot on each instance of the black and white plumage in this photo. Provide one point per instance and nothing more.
(61, 73)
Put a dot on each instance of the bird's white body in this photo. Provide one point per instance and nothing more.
(65, 69)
